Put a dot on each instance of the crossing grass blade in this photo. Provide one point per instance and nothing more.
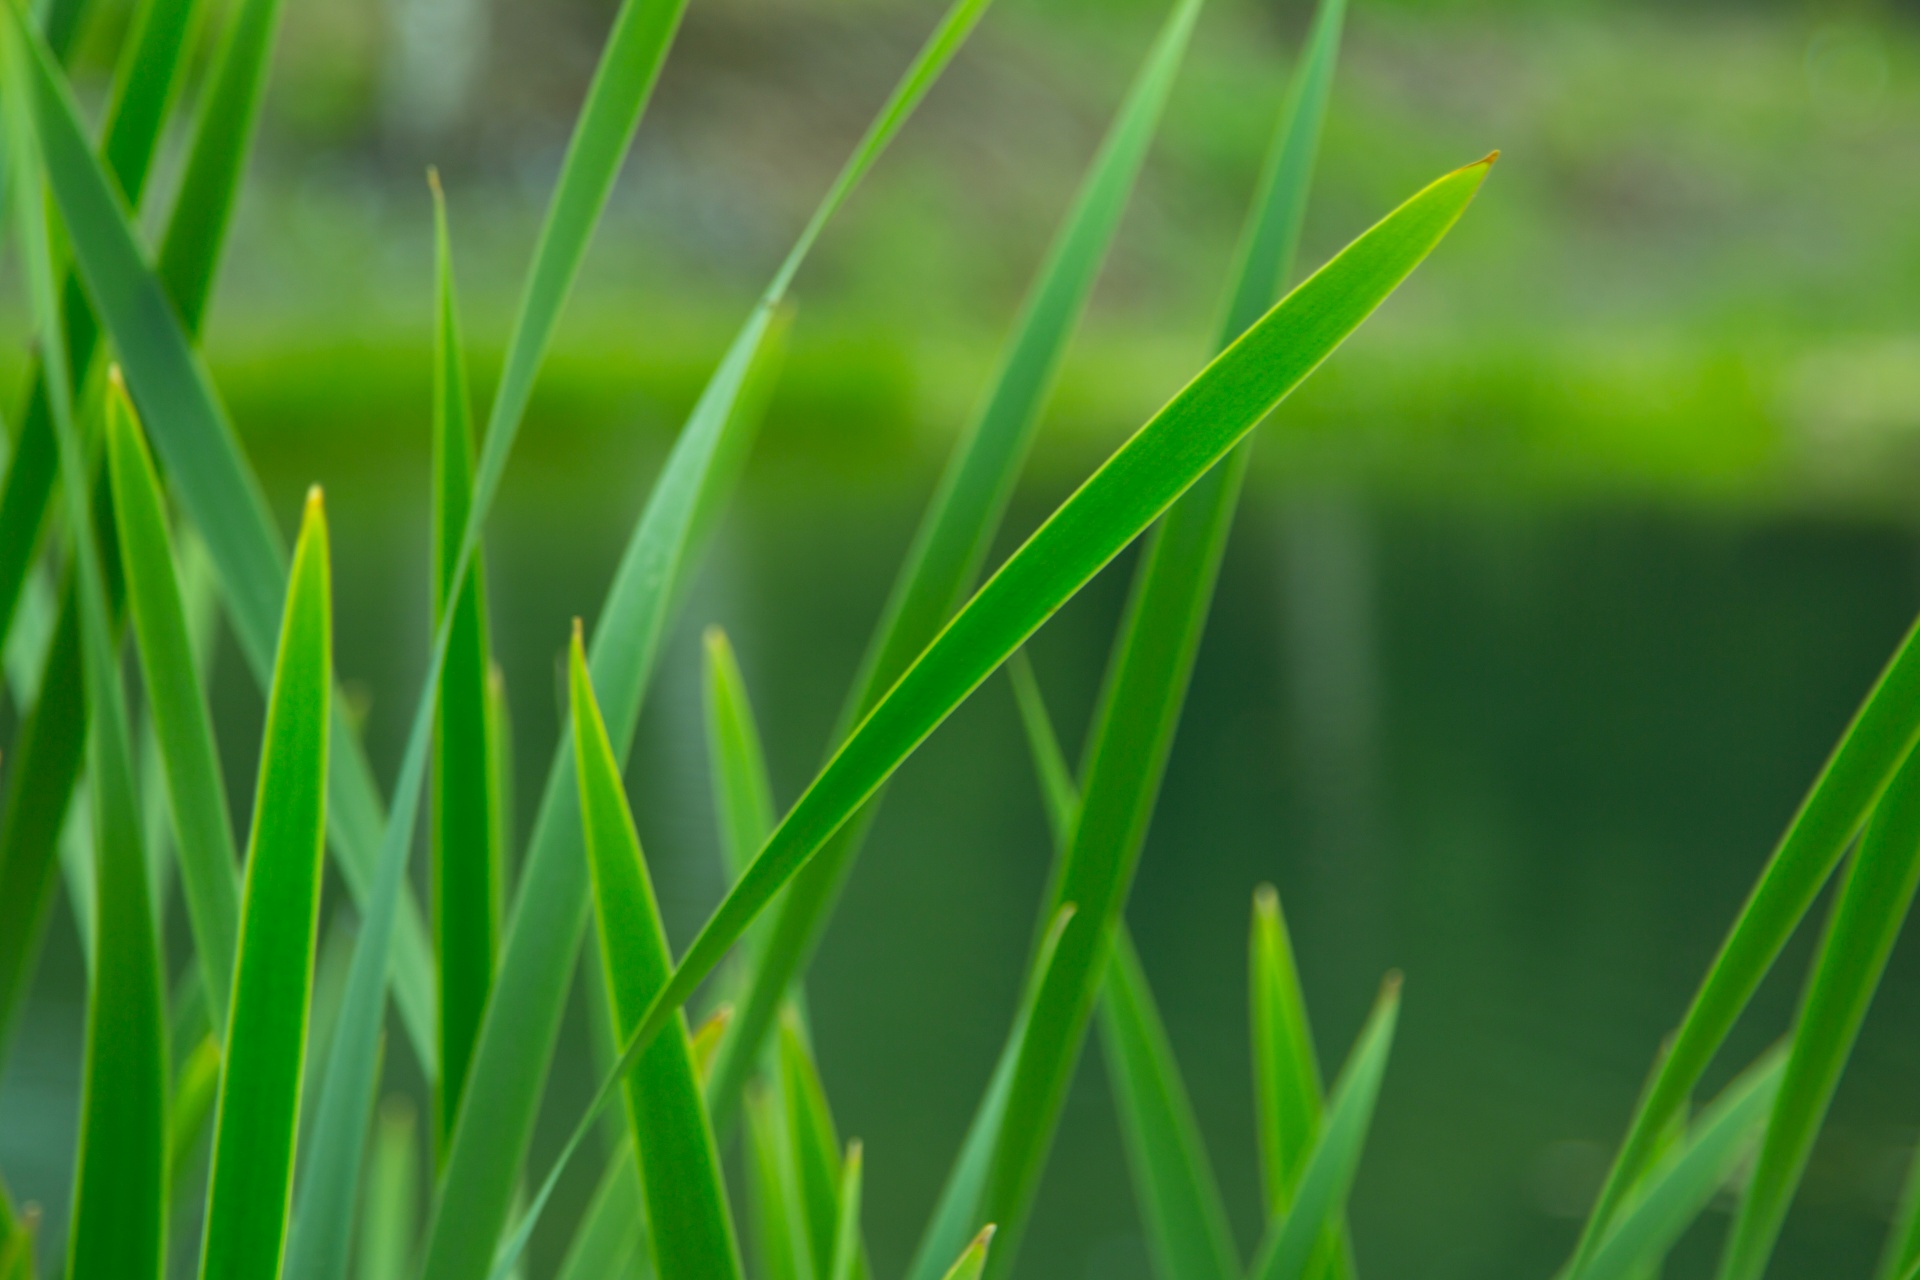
(176, 707)
(195, 442)
(1880, 737)
(389, 1215)
(464, 845)
(691, 1227)
(742, 792)
(964, 515)
(846, 1236)
(549, 913)
(258, 1114)
(1902, 1251)
(1679, 1188)
(956, 1214)
(1292, 1242)
(117, 1225)
(1872, 906)
(612, 1233)
(1194, 431)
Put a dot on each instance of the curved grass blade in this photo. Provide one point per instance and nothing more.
(1680, 1187)
(742, 792)
(1873, 904)
(1292, 1242)
(118, 1210)
(466, 892)
(389, 1216)
(177, 707)
(846, 1236)
(266, 1035)
(958, 1208)
(1902, 1252)
(964, 515)
(549, 915)
(691, 1228)
(1882, 733)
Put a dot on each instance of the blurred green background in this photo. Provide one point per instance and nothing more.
(1551, 591)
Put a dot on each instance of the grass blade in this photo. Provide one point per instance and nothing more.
(972, 1263)
(194, 1087)
(846, 1236)
(1059, 792)
(1680, 1187)
(610, 1235)
(1902, 1253)
(742, 792)
(466, 892)
(266, 1035)
(965, 513)
(780, 1241)
(691, 1228)
(177, 707)
(1873, 904)
(389, 1216)
(1291, 1243)
(814, 1141)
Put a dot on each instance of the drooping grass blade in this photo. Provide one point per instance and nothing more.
(846, 1236)
(1292, 1242)
(549, 912)
(691, 1227)
(466, 893)
(742, 793)
(1873, 904)
(1678, 1188)
(117, 1225)
(258, 1115)
(1851, 783)
(964, 515)
(177, 707)
(389, 1215)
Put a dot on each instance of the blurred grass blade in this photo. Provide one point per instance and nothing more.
(972, 1263)
(253, 1145)
(957, 1213)
(194, 1086)
(177, 708)
(815, 1142)
(1137, 484)
(1866, 920)
(1679, 1188)
(389, 1215)
(780, 1246)
(690, 1225)
(117, 1225)
(1180, 1203)
(965, 513)
(1058, 791)
(611, 1232)
(846, 1236)
(742, 793)
(706, 1039)
(466, 893)
(1902, 1252)
(1322, 1194)
(195, 441)
(1881, 735)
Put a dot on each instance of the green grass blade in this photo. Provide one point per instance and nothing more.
(194, 1086)
(145, 85)
(972, 1262)
(389, 1216)
(846, 1236)
(1058, 790)
(1882, 733)
(1873, 904)
(815, 1142)
(611, 1233)
(466, 892)
(258, 1114)
(956, 1215)
(1902, 1252)
(1291, 1243)
(966, 511)
(742, 792)
(780, 1245)
(177, 707)
(1179, 1196)
(1199, 427)
(1679, 1188)
(691, 1227)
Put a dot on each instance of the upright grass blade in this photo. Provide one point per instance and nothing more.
(266, 1035)
(549, 913)
(611, 1234)
(846, 1236)
(964, 515)
(972, 1262)
(1179, 1196)
(780, 1241)
(177, 707)
(1873, 904)
(118, 1211)
(815, 1143)
(1291, 1243)
(389, 1216)
(466, 892)
(1198, 428)
(1679, 1187)
(691, 1228)
(195, 442)
(195, 1085)
(742, 792)
(1902, 1251)
(1855, 776)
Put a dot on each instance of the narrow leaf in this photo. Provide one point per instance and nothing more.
(610, 1235)
(389, 1215)
(846, 1237)
(1902, 1252)
(742, 793)
(194, 1086)
(972, 1263)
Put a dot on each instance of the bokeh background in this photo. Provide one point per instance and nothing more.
(1548, 597)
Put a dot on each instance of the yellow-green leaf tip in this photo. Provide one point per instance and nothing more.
(433, 182)
(316, 508)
